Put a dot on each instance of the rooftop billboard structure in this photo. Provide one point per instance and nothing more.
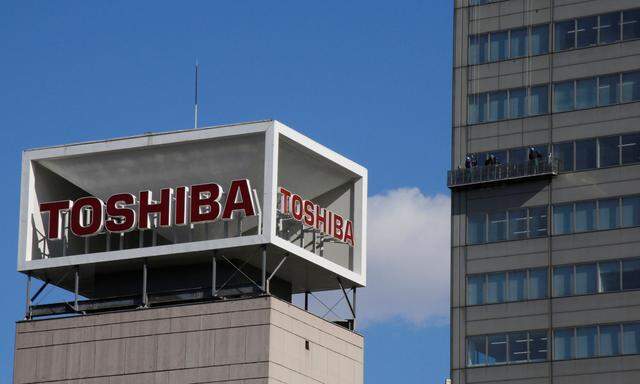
(96, 215)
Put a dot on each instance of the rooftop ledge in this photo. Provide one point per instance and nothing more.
(499, 173)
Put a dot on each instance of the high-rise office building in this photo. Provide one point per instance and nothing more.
(545, 181)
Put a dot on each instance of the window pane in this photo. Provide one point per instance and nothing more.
(608, 89)
(563, 281)
(630, 86)
(478, 49)
(630, 148)
(518, 224)
(475, 289)
(519, 42)
(565, 35)
(538, 221)
(517, 285)
(538, 345)
(496, 288)
(537, 283)
(477, 108)
(609, 28)
(609, 276)
(518, 346)
(564, 153)
(631, 338)
(518, 156)
(497, 105)
(498, 46)
(609, 151)
(586, 279)
(562, 219)
(539, 100)
(587, 31)
(630, 211)
(476, 232)
(608, 213)
(540, 40)
(609, 340)
(631, 24)
(563, 96)
(631, 274)
(585, 154)
(585, 93)
(497, 226)
(517, 103)
(585, 216)
(497, 349)
(563, 344)
(586, 341)
(476, 354)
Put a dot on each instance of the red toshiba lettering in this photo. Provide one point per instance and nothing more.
(163, 208)
(286, 195)
(205, 202)
(296, 207)
(338, 222)
(321, 217)
(239, 199)
(181, 205)
(55, 210)
(87, 216)
(309, 208)
(348, 234)
(121, 219)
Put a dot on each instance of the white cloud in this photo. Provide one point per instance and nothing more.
(408, 258)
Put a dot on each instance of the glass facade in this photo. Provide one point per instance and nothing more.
(596, 277)
(502, 287)
(596, 340)
(507, 348)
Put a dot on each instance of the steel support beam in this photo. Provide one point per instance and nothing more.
(344, 292)
(264, 268)
(306, 300)
(268, 291)
(214, 274)
(27, 313)
(76, 290)
(145, 296)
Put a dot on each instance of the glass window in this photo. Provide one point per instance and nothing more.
(608, 213)
(562, 219)
(563, 281)
(518, 156)
(565, 35)
(501, 156)
(563, 96)
(563, 344)
(564, 153)
(586, 93)
(518, 346)
(537, 283)
(630, 86)
(609, 340)
(518, 224)
(517, 285)
(631, 24)
(630, 148)
(538, 221)
(608, 89)
(538, 345)
(630, 211)
(496, 287)
(497, 226)
(631, 274)
(609, 279)
(478, 49)
(517, 103)
(497, 349)
(475, 289)
(586, 341)
(585, 216)
(631, 338)
(477, 228)
(498, 46)
(519, 42)
(608, 151)
(498, 105)
(477, 108)
(586, 279)
(609, 28)
(540, 40)
(585, 154)
(587, 31)
(538, 100)
(476, 350)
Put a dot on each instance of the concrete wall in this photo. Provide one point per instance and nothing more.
(250, 341)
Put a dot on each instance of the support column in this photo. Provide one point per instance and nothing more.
(76, 290)
(355, 310)
(306, 300)
(145, 297)
(214, 274)
(264, 268)
(27, 314)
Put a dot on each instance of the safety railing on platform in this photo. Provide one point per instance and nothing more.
(473, 176)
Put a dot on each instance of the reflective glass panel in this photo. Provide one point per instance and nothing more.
(631, 24)
(609, 340)
(563, 344)
(540, 40)
(630, 211)
(609, 151)
(496, 287)
(497, 226)
(519, 42)
(498, 105)
(517, 103)
(538, 345)
(518, 347)
(585, 216)
(608, 89)
(586, 279)
(538, 221)
(477, 108)
(517, 285)
(477, 228)
(630, 148)
(608, 213)
(586, 341)
(478, 49)
(539, 100)
(563, 281)
(497, 349)
(585, 154)
(563, 96)
(587, 31)
(518, 224)
(630, 86)
(631, 274)
(631, 338)
(565, 35)
(610, 28)
(476, 350)
(518, 156)
(586, 93)
(475, 289)
(609, 279)
(563, 152)
(498, 46)
(562, 219)
(537, 283)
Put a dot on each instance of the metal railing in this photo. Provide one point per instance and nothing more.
(463, 177)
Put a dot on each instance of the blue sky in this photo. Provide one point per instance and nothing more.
(369, 79)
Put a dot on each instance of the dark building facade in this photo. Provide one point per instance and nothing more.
(545, 181)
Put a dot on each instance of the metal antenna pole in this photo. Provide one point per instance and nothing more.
(195, 116)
